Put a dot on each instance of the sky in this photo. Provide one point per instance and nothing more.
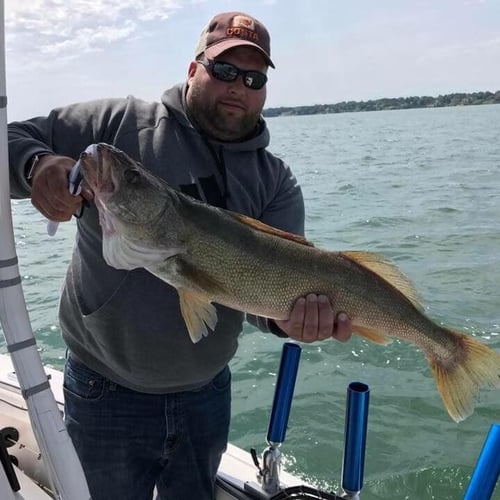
(325, 51)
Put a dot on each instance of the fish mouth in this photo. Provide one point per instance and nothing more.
(96, 165)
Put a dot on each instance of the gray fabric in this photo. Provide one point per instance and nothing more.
(127, 325)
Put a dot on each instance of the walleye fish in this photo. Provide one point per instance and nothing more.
(211, 255)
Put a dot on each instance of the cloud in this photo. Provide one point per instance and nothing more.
(56, 31)
(486, 49)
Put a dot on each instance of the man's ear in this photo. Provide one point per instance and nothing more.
(192, 68)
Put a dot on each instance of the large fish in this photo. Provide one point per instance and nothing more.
(213, 255)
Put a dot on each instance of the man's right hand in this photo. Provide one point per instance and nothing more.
(49, 188)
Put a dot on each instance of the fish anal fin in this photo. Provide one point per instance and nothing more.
(388, 271)
(370, 334)
(198, 314)
(260, 226)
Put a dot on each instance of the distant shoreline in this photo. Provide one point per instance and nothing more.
(456, 99)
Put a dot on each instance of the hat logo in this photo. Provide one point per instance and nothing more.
(243, 27)
(244, 22)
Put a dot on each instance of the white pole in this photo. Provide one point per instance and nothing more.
(56, 447)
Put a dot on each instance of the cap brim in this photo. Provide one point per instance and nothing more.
(217, 49)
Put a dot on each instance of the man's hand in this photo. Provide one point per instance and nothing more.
(312, 319)
(49, 189)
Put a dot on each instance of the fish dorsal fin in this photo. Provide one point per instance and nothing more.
(198, 314)
(388, 271)
(260, 226)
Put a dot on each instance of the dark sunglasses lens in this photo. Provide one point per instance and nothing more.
(228, 73)
(254, 79)
(225, 72)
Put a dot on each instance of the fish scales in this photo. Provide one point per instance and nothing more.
(234, 254)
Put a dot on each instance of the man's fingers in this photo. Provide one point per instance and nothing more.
(343, 331)
(56, 209)
(296, 320)
(326, 319)
(50, 194)
(311, 319)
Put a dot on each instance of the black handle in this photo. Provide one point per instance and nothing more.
(5, 436)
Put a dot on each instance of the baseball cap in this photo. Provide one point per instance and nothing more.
(233, 29)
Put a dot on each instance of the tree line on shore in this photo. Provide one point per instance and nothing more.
(456, 99)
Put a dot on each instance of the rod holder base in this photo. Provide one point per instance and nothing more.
(271, 467)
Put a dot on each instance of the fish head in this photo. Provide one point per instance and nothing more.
(122, 186)
(131, 202)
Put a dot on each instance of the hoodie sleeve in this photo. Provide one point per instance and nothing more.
(286, 210)
(65, 131)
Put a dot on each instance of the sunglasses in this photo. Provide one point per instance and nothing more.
(227, 72)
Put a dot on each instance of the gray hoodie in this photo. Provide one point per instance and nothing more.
(127, 325)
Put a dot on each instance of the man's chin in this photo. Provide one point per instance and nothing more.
(227, 128)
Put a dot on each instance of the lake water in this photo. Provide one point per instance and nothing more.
(419, 186)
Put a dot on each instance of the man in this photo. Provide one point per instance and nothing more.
(145, 406)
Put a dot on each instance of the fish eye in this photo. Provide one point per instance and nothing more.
(131, 175)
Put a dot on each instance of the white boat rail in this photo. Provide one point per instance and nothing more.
(66, 473)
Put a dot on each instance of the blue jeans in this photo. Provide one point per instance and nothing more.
(129, 442)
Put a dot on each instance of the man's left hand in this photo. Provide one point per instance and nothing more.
(312, 319)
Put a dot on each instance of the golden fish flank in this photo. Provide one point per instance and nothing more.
(212, 255)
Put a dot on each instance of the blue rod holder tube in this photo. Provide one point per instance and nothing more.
(485, 474)
(283, 394)
(358, 396)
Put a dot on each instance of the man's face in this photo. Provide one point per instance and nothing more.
(226, 111)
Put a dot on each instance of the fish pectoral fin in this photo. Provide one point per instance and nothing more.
(370, 334)
(261, 226)
(198, 314)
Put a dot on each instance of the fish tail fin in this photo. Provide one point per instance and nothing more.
(474, 365)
